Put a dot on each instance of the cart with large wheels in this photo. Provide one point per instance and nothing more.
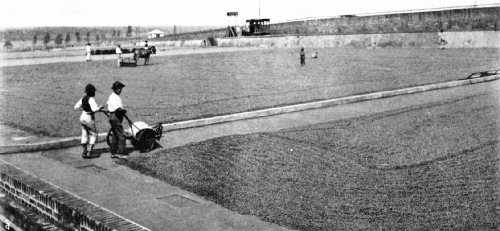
(142, 136)
(128, 62)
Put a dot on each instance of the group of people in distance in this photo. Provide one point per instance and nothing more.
(89, 107)
(118, 52)
(442, 43)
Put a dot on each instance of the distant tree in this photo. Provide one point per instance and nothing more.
(103, 36)
(46, 40)
(78, 38)
(114, 33)
(58, 40)
(68, 39)
(97, 38)
(35, 39)
(8, 45)
(87, 37)
(118, 33)
(129, 31)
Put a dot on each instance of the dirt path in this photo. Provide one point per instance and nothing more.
(162, 51)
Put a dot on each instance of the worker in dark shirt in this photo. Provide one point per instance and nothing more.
(89, 131)
(302, 57)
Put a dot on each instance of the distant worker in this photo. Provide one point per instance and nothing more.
(118, 55)
(146, 44)
(302, 57)
(89, 131)
(89, 52)
(442, 39)
(116, 115)
(314, 55)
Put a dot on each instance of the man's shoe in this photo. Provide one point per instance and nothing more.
(93, 155)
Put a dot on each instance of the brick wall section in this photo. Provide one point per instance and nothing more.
(59, 205)
(470, 19)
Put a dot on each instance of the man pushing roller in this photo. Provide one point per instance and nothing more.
(117, 112)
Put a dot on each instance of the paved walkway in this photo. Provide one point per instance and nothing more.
(162, 51)
(12, 136)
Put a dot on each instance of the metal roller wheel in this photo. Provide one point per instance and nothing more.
(145, 139)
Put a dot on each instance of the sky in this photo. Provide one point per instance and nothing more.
(36, 13)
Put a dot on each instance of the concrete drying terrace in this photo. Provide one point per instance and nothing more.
(156, 205)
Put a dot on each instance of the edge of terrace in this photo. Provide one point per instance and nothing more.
(59, 204)
(75, 141)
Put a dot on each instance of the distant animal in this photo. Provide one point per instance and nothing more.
(143, 53)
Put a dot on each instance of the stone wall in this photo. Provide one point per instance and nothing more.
(471, 19)
(467, 19)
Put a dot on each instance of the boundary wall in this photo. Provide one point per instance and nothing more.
(467, 27)
(470, 18)
(467, 18)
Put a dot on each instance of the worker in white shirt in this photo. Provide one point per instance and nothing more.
(118, 55)
(117, 112)
(89, 131)
(89, 52)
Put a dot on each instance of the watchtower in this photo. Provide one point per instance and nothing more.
(232, 24)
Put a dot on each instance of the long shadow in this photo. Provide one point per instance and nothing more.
(96, 153)
(149, 64)
(156, 146)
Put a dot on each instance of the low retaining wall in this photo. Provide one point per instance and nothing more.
(470, 39)
(323, 103)
(179, 43)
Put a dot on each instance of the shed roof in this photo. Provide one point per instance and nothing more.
(259, 20)
(156, 31)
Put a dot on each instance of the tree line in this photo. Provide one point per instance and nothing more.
(66, 38)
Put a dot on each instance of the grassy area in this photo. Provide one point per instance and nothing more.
(434, 166)
(40, 98)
